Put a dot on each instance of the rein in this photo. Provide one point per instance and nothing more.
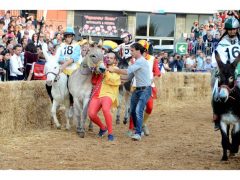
(230, 90)
(57, 77)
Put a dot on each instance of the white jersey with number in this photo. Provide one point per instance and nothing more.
(125, 50)
(228, 49)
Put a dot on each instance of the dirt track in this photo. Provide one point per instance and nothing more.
(182, 137)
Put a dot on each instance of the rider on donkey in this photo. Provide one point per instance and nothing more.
(124, 48)
(69, 54)
(228, 49)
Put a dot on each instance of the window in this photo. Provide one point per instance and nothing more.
(167, 42)
(162, 25)
(141, 26)
(157, 28)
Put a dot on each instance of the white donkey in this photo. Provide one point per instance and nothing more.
(60, 92)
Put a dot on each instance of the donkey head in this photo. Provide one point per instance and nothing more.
(94, 60)
(52, 69)
(227, 78)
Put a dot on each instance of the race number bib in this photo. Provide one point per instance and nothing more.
(68, 50)
(232, 52)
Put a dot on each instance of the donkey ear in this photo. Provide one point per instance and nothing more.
(218, 59)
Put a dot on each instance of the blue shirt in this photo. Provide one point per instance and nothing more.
(72, 51)
(140, 69)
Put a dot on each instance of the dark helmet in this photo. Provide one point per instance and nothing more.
(231, 23)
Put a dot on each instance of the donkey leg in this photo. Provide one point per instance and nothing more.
(90, 126)
(83, 118)
(127, 108)
(225, 141)
(120, 97)
(67, 116)
(54, 113)
(77, 112)
(235, 139)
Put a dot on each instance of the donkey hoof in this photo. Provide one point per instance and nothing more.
(224, 158)
(117, 121)
(232, 154)
(90, 128)
(68, 128)
(125, 121)
(81, 134)
(59, 127)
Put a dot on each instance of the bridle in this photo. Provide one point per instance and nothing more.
(230, 90)
(57, 76)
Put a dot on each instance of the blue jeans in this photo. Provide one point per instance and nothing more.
(138, 102)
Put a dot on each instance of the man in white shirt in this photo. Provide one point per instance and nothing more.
(16, 66)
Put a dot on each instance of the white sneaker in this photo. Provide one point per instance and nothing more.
(129, 133)
(136, 137)
(145, 130)
(70, 112)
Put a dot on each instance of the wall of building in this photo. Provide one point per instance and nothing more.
(180, 26)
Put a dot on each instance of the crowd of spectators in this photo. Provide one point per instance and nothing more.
(202, 41)
(17, 34)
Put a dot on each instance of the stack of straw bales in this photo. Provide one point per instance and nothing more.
(26, 105)
(23, 105)
(183, 86)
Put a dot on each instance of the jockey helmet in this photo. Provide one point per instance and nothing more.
(109, 45)
(69, 31)
(125, 34)
(231, 23)
(144, 43)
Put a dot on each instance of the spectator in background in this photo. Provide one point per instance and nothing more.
(217, 18)
(177, 64)
(10, 48)
(190, 63)
(1, 48)
(202, 31)
(24, 42)
(4, 40)
(166, 65)
(208, 64)
(210, 44)
(192, 37)
(200, 62)
(34, 39)
(206, 27)
(10, 32)
(17, 33)
(195, 29)
(199, 45)
(223, 16)
(29, 29)
(2, 24)
(190, 45)
(6, 57)
(211, 29)
(58, 39)
(51, 31)
(16, 66)
(2, 68)
(6, 20)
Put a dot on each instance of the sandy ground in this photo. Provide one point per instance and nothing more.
(182, 137)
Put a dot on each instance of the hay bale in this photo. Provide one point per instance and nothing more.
(183, 86)
(26, 105)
